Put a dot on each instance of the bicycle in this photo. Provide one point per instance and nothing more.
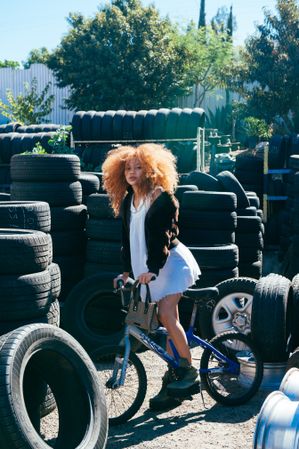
(231, 368)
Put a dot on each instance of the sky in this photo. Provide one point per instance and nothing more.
(29, 24)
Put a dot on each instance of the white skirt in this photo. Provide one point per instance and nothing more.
(180, 272)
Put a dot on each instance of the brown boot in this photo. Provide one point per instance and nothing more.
(162, 400)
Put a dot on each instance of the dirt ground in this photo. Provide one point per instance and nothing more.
(192, 424)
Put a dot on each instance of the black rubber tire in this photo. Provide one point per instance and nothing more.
(248, 162)
(202, 237)
(107, 125)
(45, 167)
(89, 182)
(208, 219)
(128, 124)
(160, 124)
(226, 256)
(203, 181)
(93, 312)
(138, 125)
(294, 312)
(214, 276)
(69, 243)
(23, 251)
(77, 125)
(136, 382)
(25, 215)
(86, 125)
(269, 326)
(209, 201)
(148, 125)
(247, 212)
(184, 188)
(118, 124)
(196, 120)
(55, 274)
(220, 343)
(45, 353)
(183, 123)
(293, 360)
(249, 224)
(250, 240)
(103, 252)
(231, 184)
(240, 290)
(55, 193)
(97, 125)
(98, 206)
(253, 270)
(72, 218)
(107, 229)
(172, 123)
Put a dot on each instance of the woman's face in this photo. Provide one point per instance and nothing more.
(133, 172)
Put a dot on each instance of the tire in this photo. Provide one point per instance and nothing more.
(86, 125)
(25, 215)
(69, 243)
(54, 193)
(203, 181)
(196, 120)
(293, 360)
(107, 229)
(160, 124)
(226, 256)
(250, 240)
(253, 270)
(249, 224)
(202, 237)
(90, 183)
(45, 167)
(28, 251)
(209, 201)
(148, 126)
(103, 252)
(98, 206)
(294, 312)
(33, 355)
(128, 123)
(183, 123)
(232, 310)
(138, 125)
(269, 326)
(208, 219)
(72, 218)
(93, 312)
(123, 402)
(107, 125)
(232, 388)
(77, 125)
(231, 184)
(96, 125)
(214, 276)
(118, 124)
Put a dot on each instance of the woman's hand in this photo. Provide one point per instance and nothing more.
(121, 277)
(145, 278)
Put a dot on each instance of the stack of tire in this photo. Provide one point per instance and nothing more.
(249, 230)
(90, 184)
(55, 180)
(29, 281)
(249, 172)
(17, 143)
(132, 126)
(103, 231)
(40, 128)
(207, 224)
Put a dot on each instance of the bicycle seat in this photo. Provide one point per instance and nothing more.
(201, 293)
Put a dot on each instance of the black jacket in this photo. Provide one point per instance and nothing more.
(161, 231)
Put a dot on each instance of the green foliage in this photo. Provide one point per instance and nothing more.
(59, 141)
(37, 55)
(254, 127)
(38, 149)
(267, 76)
(30, 107)
(127, 57)
(210, 58)
(11, 64)
(224, 21)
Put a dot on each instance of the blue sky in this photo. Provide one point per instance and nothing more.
(28, 24)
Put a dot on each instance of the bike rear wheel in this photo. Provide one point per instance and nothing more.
(124, 401)
(222, 383)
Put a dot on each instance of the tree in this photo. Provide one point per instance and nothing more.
(37, 55)
(268, 75)
(202, 14)
(224, 21)
(32, 107)
(124, 57)
(8, 63)
(210, 58)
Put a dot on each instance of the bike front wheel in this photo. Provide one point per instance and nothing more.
(236, 380)
(123, 401)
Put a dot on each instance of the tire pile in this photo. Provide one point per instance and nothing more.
(55, 180)
(16, 143)
(128, 126)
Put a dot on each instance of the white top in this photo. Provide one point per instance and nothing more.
(137, 237)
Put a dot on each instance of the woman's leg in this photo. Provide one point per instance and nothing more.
(169, 317)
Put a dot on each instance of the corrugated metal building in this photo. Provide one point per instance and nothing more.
(14, 79)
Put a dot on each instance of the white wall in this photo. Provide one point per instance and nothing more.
(14, 79)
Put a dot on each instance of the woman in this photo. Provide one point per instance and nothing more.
(141, 183)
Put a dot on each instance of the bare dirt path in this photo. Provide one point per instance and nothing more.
(190, 425)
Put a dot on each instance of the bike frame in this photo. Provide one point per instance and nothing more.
(173, 361)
